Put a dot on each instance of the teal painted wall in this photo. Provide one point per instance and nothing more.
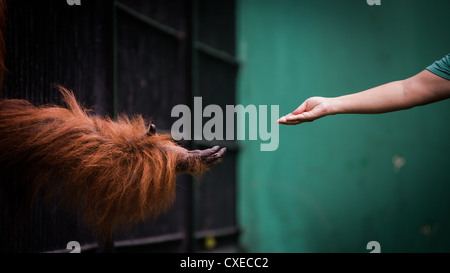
(331, 186)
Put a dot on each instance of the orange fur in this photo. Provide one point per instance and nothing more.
(113, 172)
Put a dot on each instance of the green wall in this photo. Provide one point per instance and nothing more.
(331, 186)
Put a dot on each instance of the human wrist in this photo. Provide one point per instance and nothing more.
(335, 106)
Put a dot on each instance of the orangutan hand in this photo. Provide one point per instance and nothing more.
(195, 160)
(210, 156)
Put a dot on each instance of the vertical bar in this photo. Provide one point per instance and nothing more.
(108, 246)
(194, 52)
(115, 80)
(194, 91)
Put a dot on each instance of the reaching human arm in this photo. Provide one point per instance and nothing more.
(421, 89)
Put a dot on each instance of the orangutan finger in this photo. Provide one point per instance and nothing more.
(216, 157)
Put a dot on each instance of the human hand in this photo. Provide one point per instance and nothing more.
(310, 110)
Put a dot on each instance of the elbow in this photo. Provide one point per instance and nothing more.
(414, 93)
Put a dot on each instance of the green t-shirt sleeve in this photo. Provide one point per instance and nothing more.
(441, 67)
